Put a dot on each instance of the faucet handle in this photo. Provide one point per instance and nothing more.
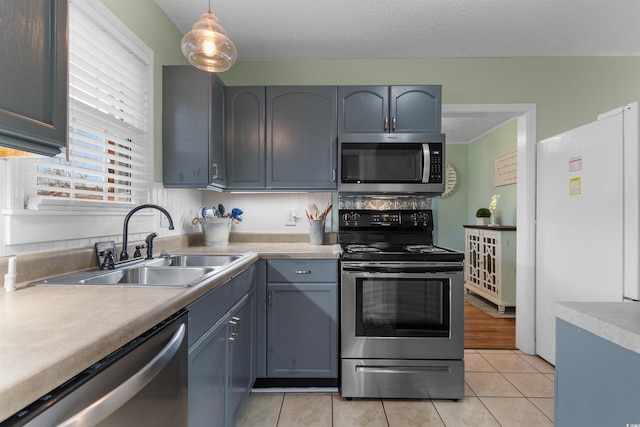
(137, 253)
(102, 249)
(109, 261)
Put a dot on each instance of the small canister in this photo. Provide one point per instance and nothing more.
(316, 232)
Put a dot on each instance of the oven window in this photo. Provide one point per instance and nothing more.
(402, 307)
(381, 163)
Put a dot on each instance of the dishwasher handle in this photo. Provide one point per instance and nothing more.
(110, 402)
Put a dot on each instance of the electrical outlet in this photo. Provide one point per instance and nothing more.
(289, 217)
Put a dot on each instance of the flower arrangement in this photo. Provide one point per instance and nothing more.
(494, 202)
(492, 208)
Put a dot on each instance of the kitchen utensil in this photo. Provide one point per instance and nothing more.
(210, 212)
(236, 215)
(313, 210)
(221, 209)
(324, 214)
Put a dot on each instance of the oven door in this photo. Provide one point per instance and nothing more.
(402, 310)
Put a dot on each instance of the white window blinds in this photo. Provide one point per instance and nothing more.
(108, 158)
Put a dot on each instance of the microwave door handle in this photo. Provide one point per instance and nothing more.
(426, 165)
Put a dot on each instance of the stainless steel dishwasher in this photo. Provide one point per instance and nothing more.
(144, 383)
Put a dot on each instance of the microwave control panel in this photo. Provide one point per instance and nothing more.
(435, 158)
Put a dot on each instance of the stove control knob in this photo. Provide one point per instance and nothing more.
(346, 217)
(356, 217)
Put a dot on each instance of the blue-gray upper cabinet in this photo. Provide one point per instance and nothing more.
(193, 128)
(390, 109)
(246, 138)
(33, 75)
(301, 137)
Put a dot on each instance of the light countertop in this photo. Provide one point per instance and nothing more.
(618, 322)
(48, 334)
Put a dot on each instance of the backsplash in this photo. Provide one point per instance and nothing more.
(266, 212)
(263, 213)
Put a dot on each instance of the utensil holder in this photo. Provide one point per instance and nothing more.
(215, 231)
(316, 232)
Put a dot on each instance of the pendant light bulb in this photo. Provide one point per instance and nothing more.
(207, 46)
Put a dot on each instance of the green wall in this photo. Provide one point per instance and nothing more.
(475, 186)
(567, 91)
(481, 174)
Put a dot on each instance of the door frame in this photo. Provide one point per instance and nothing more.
(525, 216)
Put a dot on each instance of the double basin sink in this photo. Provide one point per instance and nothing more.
(176, 270)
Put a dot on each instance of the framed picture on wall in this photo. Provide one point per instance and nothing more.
(505, 169)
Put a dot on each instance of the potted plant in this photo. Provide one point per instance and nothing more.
(482, 216)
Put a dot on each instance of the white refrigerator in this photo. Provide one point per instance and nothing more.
(587, 218)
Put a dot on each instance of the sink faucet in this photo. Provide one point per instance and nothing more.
(125, 229)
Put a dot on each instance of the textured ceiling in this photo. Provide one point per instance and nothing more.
(279, 29)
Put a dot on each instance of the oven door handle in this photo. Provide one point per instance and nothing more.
(402, 268)
(402, 369)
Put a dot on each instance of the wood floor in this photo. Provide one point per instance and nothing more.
(482, 331)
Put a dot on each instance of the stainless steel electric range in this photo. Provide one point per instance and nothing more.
(402, 308)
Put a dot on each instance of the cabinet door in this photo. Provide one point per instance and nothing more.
(416, 108)
(245, 137)
(217, 134)
(242, 353)
(302, 330)
(490, 258)
(473, 274)
(34, 75)
(301, 137)
(185, 127)
(363, 109)
(208, 376)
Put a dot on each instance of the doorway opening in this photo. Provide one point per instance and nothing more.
(526, 153)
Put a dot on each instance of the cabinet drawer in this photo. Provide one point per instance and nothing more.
(302, 270)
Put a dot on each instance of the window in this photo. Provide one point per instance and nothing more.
(108, 158)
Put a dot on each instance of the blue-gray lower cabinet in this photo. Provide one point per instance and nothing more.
(222, 351)
(302, 319)
(597, 382)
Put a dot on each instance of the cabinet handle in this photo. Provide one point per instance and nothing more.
(234, 328)
(270, 298)
(214, 171)
(302, 272)
(333, 175)
(393, 123)
(386, 122)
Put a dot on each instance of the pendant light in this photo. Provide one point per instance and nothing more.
(207, 46)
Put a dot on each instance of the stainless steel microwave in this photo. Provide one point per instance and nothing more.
(371, 163)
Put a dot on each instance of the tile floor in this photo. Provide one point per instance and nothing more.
(503, 388)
